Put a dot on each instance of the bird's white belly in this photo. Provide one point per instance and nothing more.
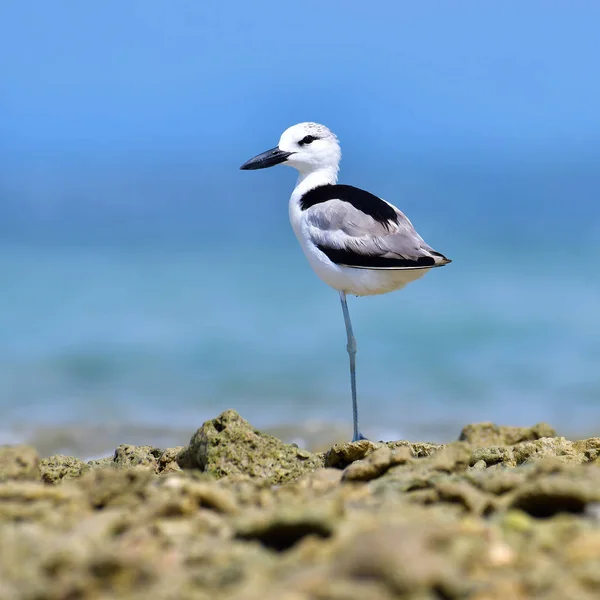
(358, 282)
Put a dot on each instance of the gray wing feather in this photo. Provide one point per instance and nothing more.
(338, 224)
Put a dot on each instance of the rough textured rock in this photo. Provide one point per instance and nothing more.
(56, 468)
(171, 461)
(410, 559)
(137, 456)
(35, 502)
(238, 515)
(284, 528)
(107, 462)
(582, 451)
(489, 434)
(229, 445)
(19, 463)
(342, 455)
(376, 463)
(555, 489)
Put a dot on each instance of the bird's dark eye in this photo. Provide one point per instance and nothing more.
(309, 139)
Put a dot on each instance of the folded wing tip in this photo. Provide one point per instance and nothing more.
(440, 259)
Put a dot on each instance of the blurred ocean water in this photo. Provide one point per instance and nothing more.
(143, 338)
(146, 284)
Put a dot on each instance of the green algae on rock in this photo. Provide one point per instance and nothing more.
(127, 455)
(58, 468)
(229, 445)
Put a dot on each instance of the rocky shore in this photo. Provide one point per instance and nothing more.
(504, 513)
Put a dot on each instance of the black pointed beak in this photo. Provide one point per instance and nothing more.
(270, 158)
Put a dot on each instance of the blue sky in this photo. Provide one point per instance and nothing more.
(154, 77)
(138, 113)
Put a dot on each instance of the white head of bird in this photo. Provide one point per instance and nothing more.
(308, 147)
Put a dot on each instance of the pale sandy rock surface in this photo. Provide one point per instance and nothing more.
(504, 513)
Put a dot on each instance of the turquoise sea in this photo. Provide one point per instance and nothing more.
(146, 284)
(130, 321)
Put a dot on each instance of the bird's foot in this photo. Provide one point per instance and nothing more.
(359, 437)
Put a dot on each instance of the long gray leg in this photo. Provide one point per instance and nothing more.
(351, 347)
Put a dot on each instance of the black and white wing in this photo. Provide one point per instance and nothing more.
(354, 228)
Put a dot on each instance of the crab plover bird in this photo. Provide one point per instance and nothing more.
(356, 242)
